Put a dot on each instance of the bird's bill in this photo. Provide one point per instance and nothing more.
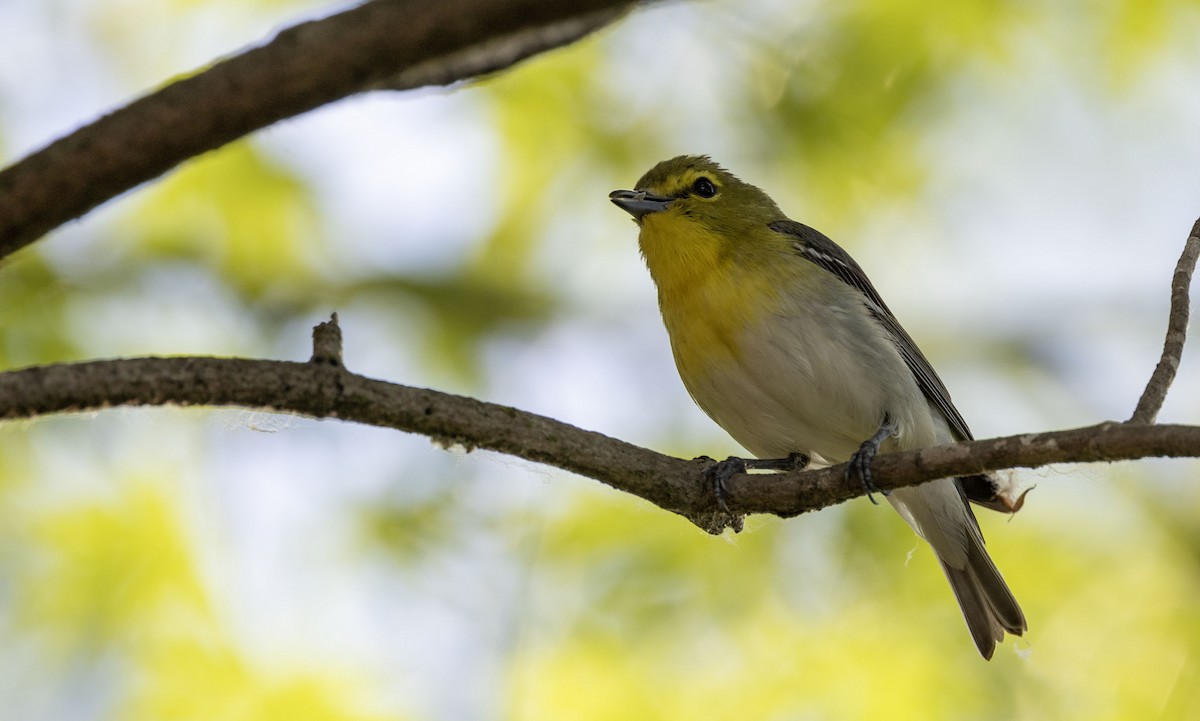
(638, 202)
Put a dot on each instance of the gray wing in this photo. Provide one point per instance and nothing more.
(987, 604)
(814, 246)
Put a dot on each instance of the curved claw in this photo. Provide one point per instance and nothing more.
(719, 474)
(860, 466)
(860, 463)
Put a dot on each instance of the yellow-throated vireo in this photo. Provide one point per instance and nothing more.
(782, 340)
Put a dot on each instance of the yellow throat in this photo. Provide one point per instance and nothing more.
(707, 294)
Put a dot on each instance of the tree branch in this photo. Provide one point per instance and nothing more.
(397, 44)
(322, 388)
(1164, 373)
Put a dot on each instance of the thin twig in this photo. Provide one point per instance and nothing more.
(1164, 373)
(327, 342)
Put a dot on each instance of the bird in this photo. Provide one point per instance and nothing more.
(780, 337)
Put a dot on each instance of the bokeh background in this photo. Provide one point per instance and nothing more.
(1017, 177)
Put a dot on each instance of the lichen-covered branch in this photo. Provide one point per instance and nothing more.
(396, 44)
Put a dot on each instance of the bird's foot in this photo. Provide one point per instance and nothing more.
(860, 463)
(860, 467)
(719, 473)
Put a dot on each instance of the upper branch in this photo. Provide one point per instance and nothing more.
(398, 44)
(1164, 373)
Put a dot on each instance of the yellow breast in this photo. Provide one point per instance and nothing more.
(708, 290)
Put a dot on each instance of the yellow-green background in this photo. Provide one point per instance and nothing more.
(1017, 177)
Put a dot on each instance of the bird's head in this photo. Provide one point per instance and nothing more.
(694, 188)
(694, 214)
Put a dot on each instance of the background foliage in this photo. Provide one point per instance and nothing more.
(1016, 176)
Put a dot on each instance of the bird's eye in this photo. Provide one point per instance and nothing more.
(704, 188)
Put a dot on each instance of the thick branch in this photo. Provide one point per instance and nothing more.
(321, 389)
(398, 44)
(1164, 373)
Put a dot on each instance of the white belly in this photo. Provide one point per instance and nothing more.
(814, 377)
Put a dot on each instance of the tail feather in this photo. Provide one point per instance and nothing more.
(939, 513)
(986, 602)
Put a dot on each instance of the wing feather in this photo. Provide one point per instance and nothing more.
(814, 246)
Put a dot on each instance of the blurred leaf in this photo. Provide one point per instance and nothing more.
(410, 530)
(1135, 29)
(853, 102)
(767, 663)
(466, 310)
(539, 111)
(655, 572)
(33, 302)
(198, 681)
(110, 571)
(235, 210)
(553, 115)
